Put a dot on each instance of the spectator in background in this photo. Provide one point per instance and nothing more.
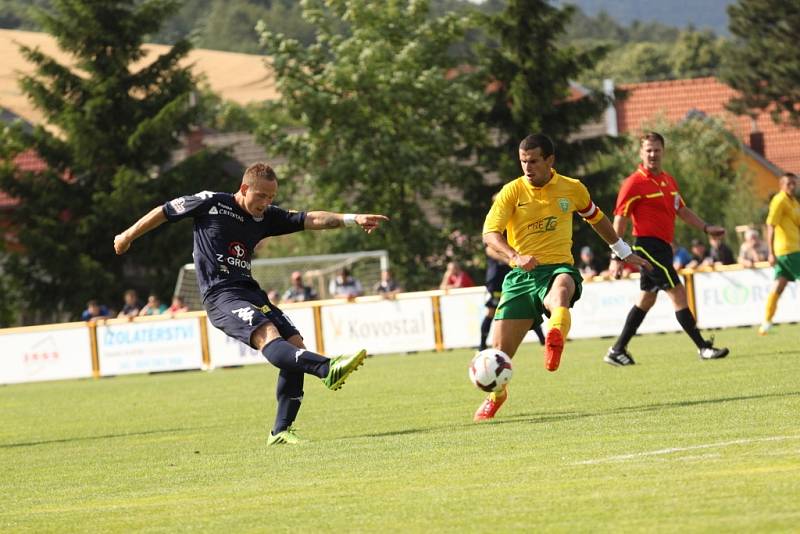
(94, 310)
(680, 257)
(132, 305)
(587, 265)
(387, 287)
(153, 306)
(345, 286)
(298, 292)
(721, 253)
(753, 250)
(454, 277)
(274, 296)
(700, 255)
(178, 305)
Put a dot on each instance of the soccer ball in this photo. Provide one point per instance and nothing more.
(490, 370)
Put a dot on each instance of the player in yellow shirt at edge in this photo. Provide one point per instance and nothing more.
(783, 238)
(535, 211)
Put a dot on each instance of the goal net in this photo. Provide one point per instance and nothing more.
(318, 270)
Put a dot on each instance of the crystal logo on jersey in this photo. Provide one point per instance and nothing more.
(222, 209)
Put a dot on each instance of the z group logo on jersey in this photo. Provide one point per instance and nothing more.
(238, 255)
(237, 249)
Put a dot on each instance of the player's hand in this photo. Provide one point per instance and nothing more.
(524, 262)
(615, 269)
(716, 231)
(121, 244)
(640, 262)
(370, 222)
(771, 259)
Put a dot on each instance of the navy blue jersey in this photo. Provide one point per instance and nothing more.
(225, 235)
(496, 271)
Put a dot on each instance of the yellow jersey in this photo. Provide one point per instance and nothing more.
(784, 215)
(538, 220)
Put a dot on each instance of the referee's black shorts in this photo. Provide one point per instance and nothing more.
(659, 253)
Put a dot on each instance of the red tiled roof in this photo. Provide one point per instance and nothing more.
(27, 161)
(674, 99)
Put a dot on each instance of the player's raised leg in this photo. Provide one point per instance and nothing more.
(287, 356)
(507, 336)
(558, 300)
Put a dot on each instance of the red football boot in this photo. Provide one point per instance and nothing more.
(489, 406)
(553, 347)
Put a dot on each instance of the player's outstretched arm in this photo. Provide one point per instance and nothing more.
(619, 247)
(153, 219)
(692, 219)
(322, 220)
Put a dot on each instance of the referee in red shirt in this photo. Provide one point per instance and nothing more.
(650, 198)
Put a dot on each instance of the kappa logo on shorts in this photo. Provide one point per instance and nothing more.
(245, 314)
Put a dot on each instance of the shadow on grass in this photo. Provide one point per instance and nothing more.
(566, 416)
(104, 436)
(572, 415)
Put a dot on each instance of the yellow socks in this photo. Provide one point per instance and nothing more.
(560, 318)
(495, 395)
(772, 305)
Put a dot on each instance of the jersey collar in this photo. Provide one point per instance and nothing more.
(647, 174)
(554, 176)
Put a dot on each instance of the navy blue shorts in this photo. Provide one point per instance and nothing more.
(240, 310)
(659, 253)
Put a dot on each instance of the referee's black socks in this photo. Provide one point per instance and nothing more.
(687, 322)
(284, 355)
(632, 323)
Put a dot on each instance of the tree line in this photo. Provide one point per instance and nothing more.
(394, 107)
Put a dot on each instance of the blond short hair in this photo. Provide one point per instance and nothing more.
(258, 171)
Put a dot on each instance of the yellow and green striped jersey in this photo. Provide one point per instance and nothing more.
(538, 220)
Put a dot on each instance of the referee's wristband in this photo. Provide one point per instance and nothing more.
(349, 219)
(621, 249)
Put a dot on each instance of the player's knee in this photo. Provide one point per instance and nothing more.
(646, 300)
(263, 335)
(297, 341)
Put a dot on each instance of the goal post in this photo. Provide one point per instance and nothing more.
(275, 273)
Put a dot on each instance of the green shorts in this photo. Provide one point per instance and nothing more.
(524, 291)
(788, 266)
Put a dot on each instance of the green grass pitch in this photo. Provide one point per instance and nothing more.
(671, 444)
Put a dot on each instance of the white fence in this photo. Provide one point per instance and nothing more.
(425, 321)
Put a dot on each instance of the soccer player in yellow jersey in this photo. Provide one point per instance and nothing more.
(783, 238)
(535, 211)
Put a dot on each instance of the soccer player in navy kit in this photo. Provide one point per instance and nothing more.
(227, 228)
